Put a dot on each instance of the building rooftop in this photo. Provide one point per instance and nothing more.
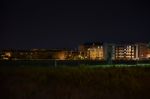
(92, 43)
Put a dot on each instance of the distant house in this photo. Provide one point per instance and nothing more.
(92, 51)
(33, 54)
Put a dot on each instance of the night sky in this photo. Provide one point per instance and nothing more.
(66, 24)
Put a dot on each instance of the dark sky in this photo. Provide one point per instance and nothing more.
(66, 24)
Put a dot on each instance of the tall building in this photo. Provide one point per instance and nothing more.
(125, 52)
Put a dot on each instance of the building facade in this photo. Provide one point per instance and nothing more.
(92, 51)
(124, 52)
(86, 51)
(34, 54)
(127, 51)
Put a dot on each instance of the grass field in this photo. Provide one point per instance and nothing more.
(74, 83)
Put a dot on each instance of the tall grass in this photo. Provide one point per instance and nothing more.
(74, 83)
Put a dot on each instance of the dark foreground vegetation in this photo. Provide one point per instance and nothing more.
(74, 83)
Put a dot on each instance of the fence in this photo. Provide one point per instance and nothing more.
(53, 63)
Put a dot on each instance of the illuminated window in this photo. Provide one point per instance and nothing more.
(8, 54)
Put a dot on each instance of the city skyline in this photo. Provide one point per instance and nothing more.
(87, 51)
